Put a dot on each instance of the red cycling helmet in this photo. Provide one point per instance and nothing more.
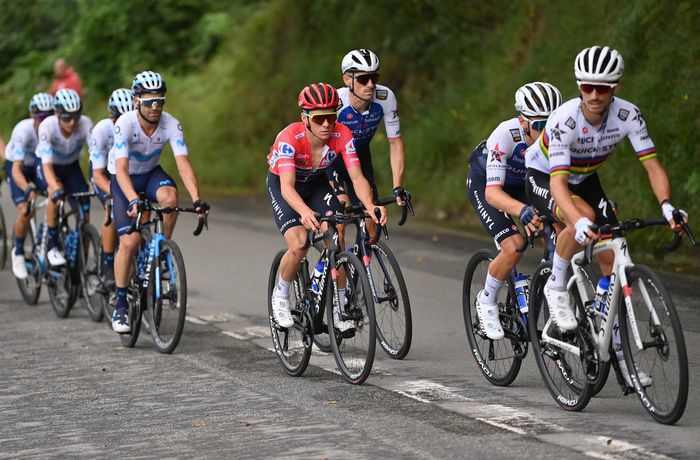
(318, 96)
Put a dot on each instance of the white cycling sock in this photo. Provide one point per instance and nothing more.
(491, 288)
(558, 278)
(282, 288)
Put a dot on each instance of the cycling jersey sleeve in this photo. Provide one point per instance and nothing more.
(348, 151)
(559, 135)
(283, 152)
(122, 132)
(177, 137)
(99, 146)
(500, 146)
(392, 124)
(639, 136)
(43, 148)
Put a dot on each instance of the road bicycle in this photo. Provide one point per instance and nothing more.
(572, 363)
(158, 289)
(391, 301)
(313, 298)
(500, 360)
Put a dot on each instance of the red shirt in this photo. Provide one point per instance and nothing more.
(70, 80)
(291, 151)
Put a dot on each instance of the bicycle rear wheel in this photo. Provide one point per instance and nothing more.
(392, 306)
(62, 290)
(30, 287)
(166, 297)
(353, 349)
(563, 372)
(4, 249)
(497, 359)
(89, 267)
(292, 345)
(662, 355)
(135, 299)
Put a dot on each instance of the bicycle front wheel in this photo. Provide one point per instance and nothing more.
(89, 266)
(392, 307)
(354, 348)
(660, 351)
(61, 289)
(292, 345)
(563, 372)
(30, 287)
(166, 297)
(135, 300)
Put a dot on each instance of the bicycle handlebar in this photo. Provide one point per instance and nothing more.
(387, 201)
(147, 206)
(637, 224)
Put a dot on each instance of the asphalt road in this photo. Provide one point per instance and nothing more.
(68, 388)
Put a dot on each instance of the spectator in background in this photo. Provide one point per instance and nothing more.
(65, 77)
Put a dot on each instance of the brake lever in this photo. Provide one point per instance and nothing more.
(382, 228)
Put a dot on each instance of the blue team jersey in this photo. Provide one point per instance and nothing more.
(364, 125)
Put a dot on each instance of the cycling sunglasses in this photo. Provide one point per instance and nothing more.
(68, 117)
(537, 125)
(159, 101)
(319, 118)
(365, 78)
(588, 88)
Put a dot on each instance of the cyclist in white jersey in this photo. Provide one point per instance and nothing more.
(101, 142)
(562, 181)
(61, 140)
(134, 164)
(496, 190)
(20, 170)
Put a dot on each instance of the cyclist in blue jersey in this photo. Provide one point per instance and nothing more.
(363, 105)
(134, 164)
(61, 140)
(101, 142)
(21, 172)
(496, 190)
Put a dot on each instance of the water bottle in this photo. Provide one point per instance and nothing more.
(316, 276)
(601, 294)
(522, 285)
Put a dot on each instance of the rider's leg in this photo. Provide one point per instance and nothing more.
(566, 245)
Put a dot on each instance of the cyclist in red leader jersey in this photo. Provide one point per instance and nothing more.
(298, 186)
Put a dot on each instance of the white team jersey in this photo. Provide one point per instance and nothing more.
(571, 145)
(506, 146)
(22, 145)
(364, 125)
(101, 142)
(142, 151)
(55, 148)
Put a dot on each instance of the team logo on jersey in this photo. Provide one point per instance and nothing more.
(585, 130)
(285, 150)
(623, 114)
(179, 126)
(117, 129)
(496, 155)
(603, 206)
(570, 123)
(638, 117)
(349, 116)
(44, 137)
(515, 133)
(381, 94)
(395, 114)
(556, 132)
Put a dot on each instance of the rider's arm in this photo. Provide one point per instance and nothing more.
(364, 192)
(44, 151)
(50, 176)
(397, 159)
(122, 167)
(559, 187)
(658, 179)
(184, 167)
(18, 176)
(496, 197)
(2, 148)
(101, 180)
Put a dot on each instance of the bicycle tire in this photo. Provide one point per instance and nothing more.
(393, 316)
(3, 241)
(89, 266)
(166, 316)
(63, 291)
(353, 351)
(563, 374)
(658, 345)
(489, 354)
(292, 345)
(135, 299)
(30, 287)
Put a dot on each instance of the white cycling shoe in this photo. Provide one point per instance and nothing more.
(280, 312)
(19, 267)
(489, 322)
(56, 257)
(560, 310)
(644, 379)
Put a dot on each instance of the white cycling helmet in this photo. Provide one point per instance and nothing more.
(537, 99)
(67, 101)
(361, 60)
(41, 102)
(148, 82)
(120, 102)
(599, 64)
